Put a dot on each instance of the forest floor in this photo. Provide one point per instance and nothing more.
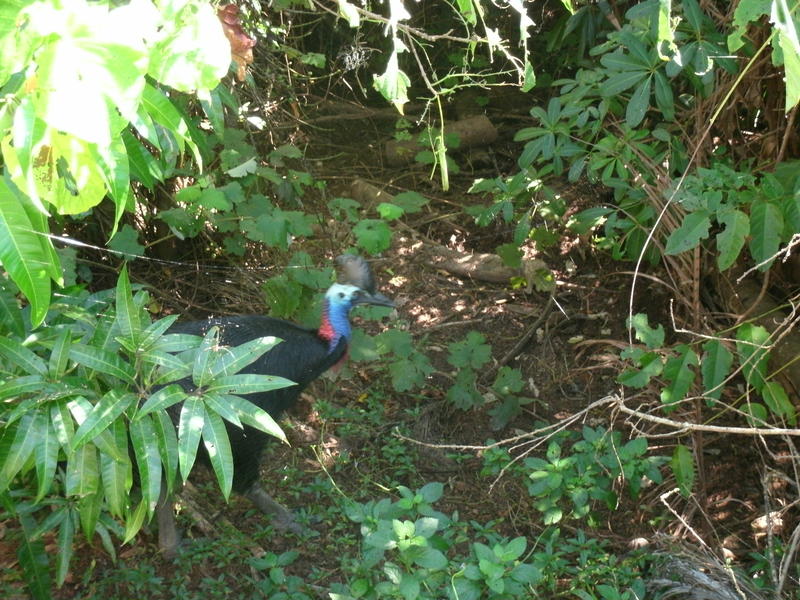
(344, 434)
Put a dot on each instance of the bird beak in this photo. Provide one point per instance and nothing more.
(377, 298)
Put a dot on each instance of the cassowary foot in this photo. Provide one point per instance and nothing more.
(280, 517)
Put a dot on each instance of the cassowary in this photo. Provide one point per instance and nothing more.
(302, 356)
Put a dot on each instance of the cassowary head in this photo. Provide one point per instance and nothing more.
(357, 287)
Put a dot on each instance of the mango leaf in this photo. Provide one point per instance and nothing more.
(162, 399)
(247, 384)
(167, 447)
(202, 358)
(83, 472)
(45, 453)
(148, 461)
(59, 355)
(21, 253)
(716, 366)
(678, 370)
(21, 357)
(218, 447)
(731, 240)
(107, 409)
(117, 475)
(766, 225)
(103, 361)
(682, 464)
(693, 229)
(134, 521)
(16, 446)
(190, 428)
(128, 319)
(32, 557)
(234, 359)
(255, 417)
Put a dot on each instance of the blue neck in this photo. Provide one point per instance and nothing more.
(335, 323)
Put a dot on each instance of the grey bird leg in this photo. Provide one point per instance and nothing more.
(279, 515)
(168, 536)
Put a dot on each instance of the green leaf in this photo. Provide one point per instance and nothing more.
(126, 242)
(252, 415)
(639, 103)
(128, 319)
(110, 406)
(373, 235)
(21, 252)
(10, 313)
(83, 472)
(22, 357)
(620, 82)
(45, 453)
(135, 520)
(410, 202)
(650, 364)
(162, 399)
(652, 337)
(766, 225)
(682, 464)
(167, 447)
(234, 359)
(103, 361)
(470, 352)
(247, 384)
(190, 428)
(202, 358)
(349, 13)
(511, 255)
(59, 355)
(731, 240)
(679, 372)
(694, 228)
(393, 84)
(148, 461)
(215, 440)
(16, 446)
(117, 475)
(32, 557)
(716, 366)
(753, 356)
(777, 400)
(389, 211)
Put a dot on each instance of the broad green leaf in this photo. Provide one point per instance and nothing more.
(117, 475)
(777, 400)
(107, 409)
(753, 356)
(620, 82)
(470, 352)
(21, 252)
(190, 427)
(785, 22)
(649, 365)
(682, 464)
(135, 520)
(217, 403)
(66, 535)
(45, 453)
(32, 557)
(162, 399)
(664, 98)
(167, 447)
(680, 373)
(126, 243)
(83, 472)
(59, 355)
(202, 359)
(16, 446)
(639, 103)
(155, 330)
(410, 202)
(757, 414)
(247, 384)
(234, 359)
(694, 228)
(192, 52)
(62, 423)
(652, 337)
(389, 211)
(89, 507)
(766, 226)
(127, 312)
(21, 357)
(218, 447)
(103, 361)
(373, 235)
(731, 240)
(716, 366)
(148, 461)
(255, 417)
(10, 314)
(393, 84)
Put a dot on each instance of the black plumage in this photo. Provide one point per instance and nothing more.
(302, 356)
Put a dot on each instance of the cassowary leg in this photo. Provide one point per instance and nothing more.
(168, 536)
(279, 515)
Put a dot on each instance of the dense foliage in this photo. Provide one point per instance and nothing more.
(119, 126)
